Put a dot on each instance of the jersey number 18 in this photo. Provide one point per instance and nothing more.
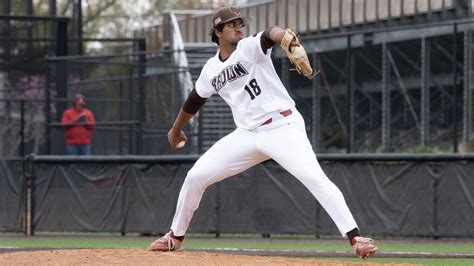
(254, 89)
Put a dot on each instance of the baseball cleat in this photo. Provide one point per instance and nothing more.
(166, 243)
(364, 247)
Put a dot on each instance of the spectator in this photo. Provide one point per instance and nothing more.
(79, 123)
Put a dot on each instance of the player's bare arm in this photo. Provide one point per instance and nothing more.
(176, 136)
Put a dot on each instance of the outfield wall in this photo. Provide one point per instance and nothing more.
(389, 195)
(12, 195)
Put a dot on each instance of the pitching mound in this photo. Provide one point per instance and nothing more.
(142, 257)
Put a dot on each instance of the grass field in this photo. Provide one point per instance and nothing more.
(199, 242)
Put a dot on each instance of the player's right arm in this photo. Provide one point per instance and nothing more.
(189, 109)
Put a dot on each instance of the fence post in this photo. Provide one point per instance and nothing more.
(22, 128)
(316, 114)
(47, 107)
(131, 108)
(350, 94)
(61, 68)
(141, 94)
(468, 81)
(425, 91)
(386, 98)
(218, 207)
(455, 88)
(435, 205)
(120, 107)
(30, 191)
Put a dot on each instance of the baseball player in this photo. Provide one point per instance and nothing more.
(268, 126)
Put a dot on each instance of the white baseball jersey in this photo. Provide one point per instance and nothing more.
(248, 83)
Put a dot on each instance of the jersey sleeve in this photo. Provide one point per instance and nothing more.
(252, 48)
(203, 85)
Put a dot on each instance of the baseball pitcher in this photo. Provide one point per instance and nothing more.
(268, 125)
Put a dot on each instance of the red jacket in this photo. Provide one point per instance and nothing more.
(78, 134)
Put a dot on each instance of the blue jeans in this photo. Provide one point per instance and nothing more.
(79, 149)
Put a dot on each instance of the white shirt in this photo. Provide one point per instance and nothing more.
(248, 83)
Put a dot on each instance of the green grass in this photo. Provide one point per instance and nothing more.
(100, 241)
(209, 243)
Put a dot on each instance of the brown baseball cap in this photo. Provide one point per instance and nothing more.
(226, 14)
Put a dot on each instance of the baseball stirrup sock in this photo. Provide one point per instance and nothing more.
(353, 233)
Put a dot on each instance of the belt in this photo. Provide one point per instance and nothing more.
(283, 113)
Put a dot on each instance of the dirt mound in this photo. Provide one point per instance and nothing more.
(142, 257)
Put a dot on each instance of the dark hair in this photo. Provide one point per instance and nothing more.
(213, 35)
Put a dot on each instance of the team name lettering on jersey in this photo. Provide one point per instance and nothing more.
(228, 74)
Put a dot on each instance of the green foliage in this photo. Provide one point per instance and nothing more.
(109, 18)
(428, 149)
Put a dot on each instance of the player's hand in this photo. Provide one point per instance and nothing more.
(294, 43)
(176, 139)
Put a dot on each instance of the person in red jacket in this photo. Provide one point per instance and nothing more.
(79, 123)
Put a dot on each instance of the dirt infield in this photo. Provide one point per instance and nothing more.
(142, 257)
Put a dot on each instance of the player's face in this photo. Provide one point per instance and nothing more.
(233, 31)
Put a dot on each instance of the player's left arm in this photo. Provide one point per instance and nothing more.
(276, 35)
(289, 42)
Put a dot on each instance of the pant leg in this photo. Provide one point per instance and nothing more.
(289, 146)
(229, 156)
(85, 149)
(72, 149)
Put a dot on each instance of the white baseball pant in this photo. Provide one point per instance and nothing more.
(285, 141)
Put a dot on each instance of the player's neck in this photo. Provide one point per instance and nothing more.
(225, 51)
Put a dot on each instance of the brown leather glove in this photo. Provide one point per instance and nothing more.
(297, 54)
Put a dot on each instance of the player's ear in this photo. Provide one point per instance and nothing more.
(218, 33)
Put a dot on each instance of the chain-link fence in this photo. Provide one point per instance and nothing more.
(379, 95)
(134, 98)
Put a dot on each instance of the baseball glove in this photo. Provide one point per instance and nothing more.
(297, 54)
